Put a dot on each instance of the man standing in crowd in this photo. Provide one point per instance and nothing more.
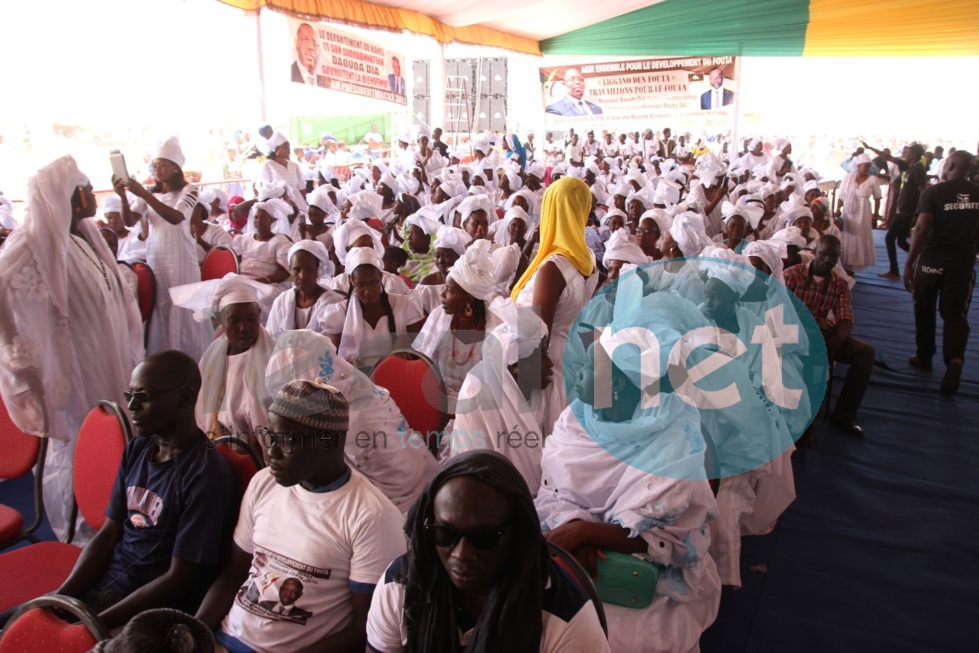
(941, 267)
(827, 297)
(899, 227)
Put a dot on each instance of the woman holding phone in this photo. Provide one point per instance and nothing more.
(171, 251)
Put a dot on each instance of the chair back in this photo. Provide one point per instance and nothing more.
(145, 289)
(35, 627)
(242, 458)
(578, 573)
(102, 440)
(218, 262)
(417, 388)
(20, 451)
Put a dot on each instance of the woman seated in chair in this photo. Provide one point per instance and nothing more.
(624, 477)
(355, 234)
(207, 234)
(303, 305)
(233, 398)
(372, 322)
(419, 231)
(379, 443)
(263, 254)
(453, 333)
(503, 395)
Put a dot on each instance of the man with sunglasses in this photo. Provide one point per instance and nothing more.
(172, 506)
(478, 573)
(312, 539)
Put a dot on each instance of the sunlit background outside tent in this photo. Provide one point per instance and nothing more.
(85, 78)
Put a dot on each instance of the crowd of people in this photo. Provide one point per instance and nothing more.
(484, 264)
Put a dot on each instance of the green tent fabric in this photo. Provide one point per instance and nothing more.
(695, 28)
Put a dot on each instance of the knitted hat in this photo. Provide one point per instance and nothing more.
(313, 404)
(163, 630)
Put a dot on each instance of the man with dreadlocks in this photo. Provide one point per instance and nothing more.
(477, 576)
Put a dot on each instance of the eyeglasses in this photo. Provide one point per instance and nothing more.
(446, 537)
(143, 397)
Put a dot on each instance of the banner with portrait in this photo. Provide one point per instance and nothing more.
(331, 58)
(690, 94)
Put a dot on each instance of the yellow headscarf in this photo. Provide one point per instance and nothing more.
(564, 215)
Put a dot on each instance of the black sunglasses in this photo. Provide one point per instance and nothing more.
(487, 539)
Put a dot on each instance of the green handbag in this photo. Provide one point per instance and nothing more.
(626, 580)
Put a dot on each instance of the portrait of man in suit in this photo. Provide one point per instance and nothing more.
(290, 591)
(304, 67)
(395, 81)
(718, 96)
(574, 103)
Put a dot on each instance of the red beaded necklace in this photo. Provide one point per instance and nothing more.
(480, 326)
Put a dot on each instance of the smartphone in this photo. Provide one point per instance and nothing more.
(118, 165)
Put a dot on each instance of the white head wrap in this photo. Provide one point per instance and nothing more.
(502, 235)
(812, 184)
(733, 270)
(277, 139)
(320, 198)
(453, 238)
(388, 180)
(477, 272)
(512, 178)
(790, 236)
(317, 249)
(520, 331)
(453, 187)
(752, 213)
(781, 144)
(622, 190)
(620, 247)
(663, 219)
(771, 252)
(365, 204)
(349, 232)
(278, 209)
(209, 194)
(536, 169)
(796, 213)
(475, 203)
(425, 219)
(111, 204)
(170, 150)
(208, 298)
(859, 159)
(667, 193)
(362, 256)
(688, 232)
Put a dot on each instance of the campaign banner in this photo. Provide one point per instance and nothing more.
(695, 94)
(327, 57)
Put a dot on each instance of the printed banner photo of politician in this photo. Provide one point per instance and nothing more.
(716, 97)
(574, 103)
(396, 82)
(307, 48)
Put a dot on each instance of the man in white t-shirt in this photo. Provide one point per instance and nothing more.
(375, 142)
(479, 570)
(574, 153)
(312, 539)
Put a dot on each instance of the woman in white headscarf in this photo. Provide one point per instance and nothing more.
(678, 269)
(355, 234)
(170, 249)
(62, 303)
(372, 322)
(233, 399)
(263, 254)
(453, 333)
(502, 395)
(394, 458)
(302, 307)
(278, 168)
(856, 191)
(621, 250)
(629, 477)
(419, 231)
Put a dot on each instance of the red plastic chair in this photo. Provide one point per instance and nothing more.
(145, 289)
(40, 568)
(242, 458)
(36, 627)
(417, 388)
(21, 454)
(218, 262)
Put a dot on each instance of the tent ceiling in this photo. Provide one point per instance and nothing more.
(536, 19)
